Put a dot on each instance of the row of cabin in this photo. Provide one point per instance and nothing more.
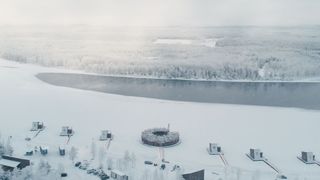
(44, 151)
(306, 157)
(257, 154)
(68, 131)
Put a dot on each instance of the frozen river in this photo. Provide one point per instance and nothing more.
(283, 94)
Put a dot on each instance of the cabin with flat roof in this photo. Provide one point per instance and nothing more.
(66, 131)
(214, 149)
(36, 126)
(105, 135)
(308, 157)
(256, 155)
(9, 163)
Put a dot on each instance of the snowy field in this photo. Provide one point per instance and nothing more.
(281, 133)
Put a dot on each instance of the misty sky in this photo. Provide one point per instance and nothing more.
(161, 12)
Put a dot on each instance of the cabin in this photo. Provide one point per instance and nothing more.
(62, 151)
(118, 175)
(9, 163)
(198, 175)
(105, 135)
(214, 149)
(256, 155)
(308, 157)
(44, 150)
(36, 126)
(66, 131)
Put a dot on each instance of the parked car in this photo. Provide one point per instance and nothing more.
(148, 162)
(90, 171)
(64, 174)
(163, 166)
(280, 176)
(104, 177)
(102, 174)
(83, 167)
(77, 164)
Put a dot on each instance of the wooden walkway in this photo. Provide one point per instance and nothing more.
(225, 162)
(108, 143)
(271, 165)
(38, 132)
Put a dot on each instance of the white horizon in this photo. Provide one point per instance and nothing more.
(153, 13)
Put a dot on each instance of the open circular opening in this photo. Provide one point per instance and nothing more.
(160, 133)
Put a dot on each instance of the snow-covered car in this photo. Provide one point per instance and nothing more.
(91, 171)
(77, 164)
(83, 167)
(148, 162)
(280, 176)
(96, 172)
(104, 177)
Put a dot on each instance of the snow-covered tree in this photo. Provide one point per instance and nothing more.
(133, 160)
(23, 174)
(44, 167)
(146, 175)
(120, 164)
(93, 149)
(179, 173)
(156, 174)
(73, 153)
(101, 156)
(126, 160)
(2, 148)
(238, 173)
(8, 147)
(60, 168)
(110, 163)
(256, 175)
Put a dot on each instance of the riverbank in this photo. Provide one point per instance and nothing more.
(281, 94)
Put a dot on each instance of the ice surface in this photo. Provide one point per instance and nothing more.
(281, 133)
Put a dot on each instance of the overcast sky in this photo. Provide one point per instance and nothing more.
(161, 12)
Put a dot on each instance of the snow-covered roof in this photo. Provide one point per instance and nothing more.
(118, 172)
(9, 163)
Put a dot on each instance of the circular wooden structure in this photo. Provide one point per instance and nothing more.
(160, 137)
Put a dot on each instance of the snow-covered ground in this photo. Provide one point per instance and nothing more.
(281, 133)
